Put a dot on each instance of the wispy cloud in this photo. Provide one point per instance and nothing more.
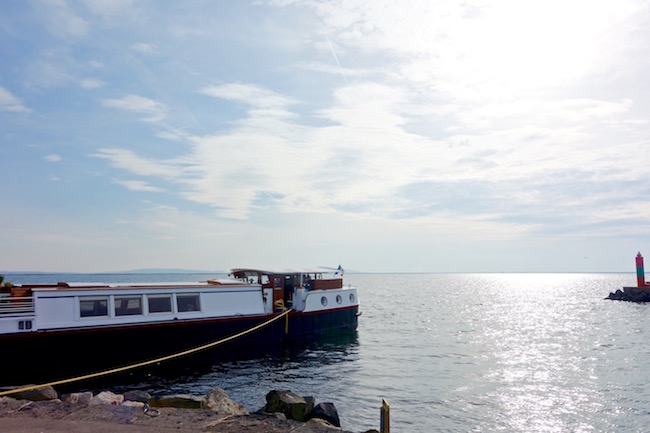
(53, 158)
(110, 8)
(365, 162)
(153, 111)
(92, 83)
(8, 102)
(137, 185)
(62, 20)
(49, 72)
(96, 64)
(250, 94)
(144, 48)
(127, 160)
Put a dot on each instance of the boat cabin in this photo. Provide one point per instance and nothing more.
(289, 283)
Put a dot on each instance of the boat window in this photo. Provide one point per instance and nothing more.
(93, 307)
(339, 299)
(24, 324)
(128, 305)
(187, 303)
(160, 303)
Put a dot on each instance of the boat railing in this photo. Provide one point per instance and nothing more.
(335, 283)
(16, 306)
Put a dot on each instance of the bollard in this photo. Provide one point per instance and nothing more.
(384, 420)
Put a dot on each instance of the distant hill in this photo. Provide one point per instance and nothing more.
(169, 271)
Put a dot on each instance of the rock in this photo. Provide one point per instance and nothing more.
(79, 397)
(280, 416)
(321, 423)
(642, 297)
(136, 395)
(182, 401)
(220, 402)
(107, 397)
(631, 294)
(292, 405)
(39, 394)
(327, 412)
(131, 403)
(616, 296)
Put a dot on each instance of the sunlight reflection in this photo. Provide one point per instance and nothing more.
(535, 333)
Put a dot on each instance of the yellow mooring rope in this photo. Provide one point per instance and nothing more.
(153, 361)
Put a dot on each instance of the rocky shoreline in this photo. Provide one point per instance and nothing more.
(138, 412)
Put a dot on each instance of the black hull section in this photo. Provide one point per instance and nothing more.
(46, 356)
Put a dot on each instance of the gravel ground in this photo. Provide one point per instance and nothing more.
(22, 416)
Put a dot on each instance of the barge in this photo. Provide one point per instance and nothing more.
(54, 331)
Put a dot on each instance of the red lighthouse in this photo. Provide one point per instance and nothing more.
(640, 276)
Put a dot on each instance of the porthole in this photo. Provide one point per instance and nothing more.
(352, 297)
(339, 299)
(323, 300)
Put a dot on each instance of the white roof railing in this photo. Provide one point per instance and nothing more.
(16, 306)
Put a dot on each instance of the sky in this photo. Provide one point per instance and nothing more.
(410, 136)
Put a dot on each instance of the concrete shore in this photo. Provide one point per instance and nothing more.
(54, 416)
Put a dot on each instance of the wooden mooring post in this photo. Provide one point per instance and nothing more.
(384, 420)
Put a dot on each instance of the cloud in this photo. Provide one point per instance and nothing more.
(53, 158)
(108, 8)
(152, 110)
(364, 161)
(470, 51)
(444, 115)
(53, 70)
(187, 32)
(144, 48)
(137, 185)
(127, 160)
(62, 21)
(335, 70)
(269, 153)
(8, 102)
(92, 83)
(250, 94)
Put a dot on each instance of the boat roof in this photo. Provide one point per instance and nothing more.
(286, 271)
(63, 286)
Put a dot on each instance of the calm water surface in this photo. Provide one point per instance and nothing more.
(460, 353)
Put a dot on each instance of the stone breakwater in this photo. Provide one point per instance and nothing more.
(631, 294)
(44, 409)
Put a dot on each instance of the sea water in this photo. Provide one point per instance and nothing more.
(459, 353)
